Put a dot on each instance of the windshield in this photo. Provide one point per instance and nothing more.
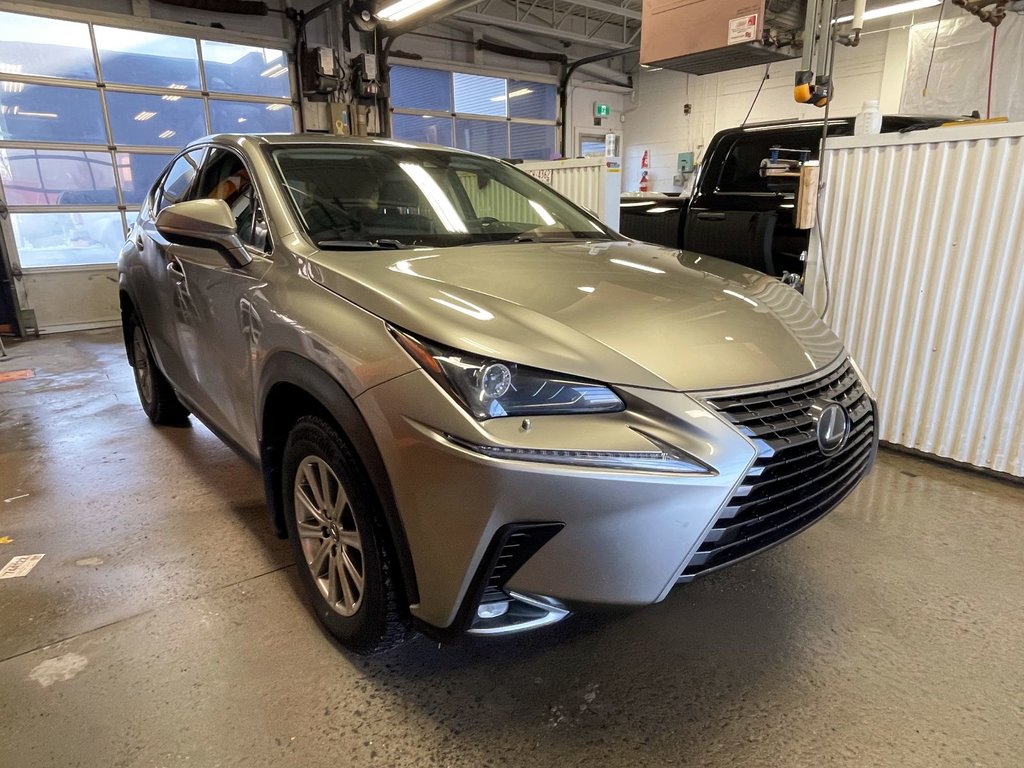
(362, 196)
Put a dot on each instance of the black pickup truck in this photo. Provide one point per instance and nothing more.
(733, 212)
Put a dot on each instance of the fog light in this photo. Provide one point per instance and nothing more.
(492, 610)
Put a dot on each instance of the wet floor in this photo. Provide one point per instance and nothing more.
(162, 627)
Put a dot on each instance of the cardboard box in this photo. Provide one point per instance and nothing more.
(678, 28)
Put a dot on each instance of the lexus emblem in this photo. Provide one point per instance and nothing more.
(831, 425)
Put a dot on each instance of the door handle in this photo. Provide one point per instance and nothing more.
(711, 216)
(175, 269)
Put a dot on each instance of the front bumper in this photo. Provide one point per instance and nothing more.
(625, 535)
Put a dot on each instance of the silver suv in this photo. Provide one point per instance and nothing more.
(475, 407)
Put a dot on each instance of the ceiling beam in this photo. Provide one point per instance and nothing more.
(536, 29)
(597, 5)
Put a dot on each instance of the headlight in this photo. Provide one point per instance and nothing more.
(491, 388)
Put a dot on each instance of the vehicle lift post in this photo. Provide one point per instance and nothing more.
(818, 48)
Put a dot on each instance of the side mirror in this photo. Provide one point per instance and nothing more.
(207, 221)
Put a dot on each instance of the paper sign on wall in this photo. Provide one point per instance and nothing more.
(742, 29)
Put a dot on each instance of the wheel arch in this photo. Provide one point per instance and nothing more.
(292, 386)
(127, 312)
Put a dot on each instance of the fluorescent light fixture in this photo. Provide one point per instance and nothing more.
(892, 10)
(48, 115)
(12, 87)
(546, 217)
(634, 265)
(144, 115)
(10, 69)
(276, 107)
(520, 92)
(178, 87)
(649, 68)
(171, 98)
(404, 8)
(435, 196)
(167, 134)
(586, 288)
(241, 120)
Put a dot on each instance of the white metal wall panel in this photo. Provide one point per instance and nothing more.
(924, 240)
(589, 182)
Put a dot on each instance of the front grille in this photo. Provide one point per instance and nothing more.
(791, 483)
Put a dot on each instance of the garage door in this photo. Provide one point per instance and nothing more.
(89, 115)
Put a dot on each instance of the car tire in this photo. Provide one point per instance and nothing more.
(155, 393)
(340, 545)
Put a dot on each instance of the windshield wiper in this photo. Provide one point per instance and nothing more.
(531, 239)
(381, 244)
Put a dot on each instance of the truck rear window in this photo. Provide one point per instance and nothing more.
(741, 169)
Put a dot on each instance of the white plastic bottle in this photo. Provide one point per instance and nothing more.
(869, 121)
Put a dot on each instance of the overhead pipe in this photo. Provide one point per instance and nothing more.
(241, 7)
(513, 39)
(563, 85)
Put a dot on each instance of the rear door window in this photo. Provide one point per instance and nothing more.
(741, 171)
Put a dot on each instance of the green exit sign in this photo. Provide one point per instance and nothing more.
(601, 110)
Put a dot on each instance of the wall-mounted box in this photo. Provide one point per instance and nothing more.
(705, 36)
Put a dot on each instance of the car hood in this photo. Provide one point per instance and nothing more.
(617, 312)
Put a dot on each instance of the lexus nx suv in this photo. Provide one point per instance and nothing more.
(475, 408)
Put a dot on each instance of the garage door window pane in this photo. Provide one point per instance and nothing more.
(531, 100)
(430, 130)
(137, 172)
(50, 113)
(67, 239)
(246, 117)
(481, 136)
(533, 142)
(57, 177)
(245, 69)
(477, 95)
(32, 45)
(143, 58)
(427, 89)
(146, 120)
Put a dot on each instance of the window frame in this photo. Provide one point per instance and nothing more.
(454, 116)
(127, 211)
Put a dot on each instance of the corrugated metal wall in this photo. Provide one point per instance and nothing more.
(924, 240)
(587, 182)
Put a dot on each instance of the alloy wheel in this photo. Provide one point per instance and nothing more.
(143, 372)
(329, 535)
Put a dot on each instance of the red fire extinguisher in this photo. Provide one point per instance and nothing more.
(643, 181)
(645, 163)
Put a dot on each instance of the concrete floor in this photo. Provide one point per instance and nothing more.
(163, 627)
